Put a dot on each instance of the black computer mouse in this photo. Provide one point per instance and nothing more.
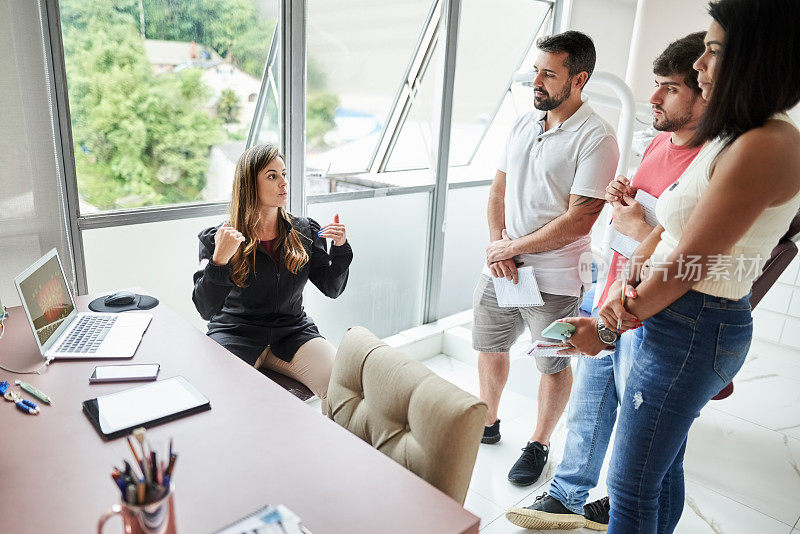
(120, 298)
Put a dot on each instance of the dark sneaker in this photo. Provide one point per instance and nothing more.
(491, 433)
(529, 466)
(546, 513)
(596, 514)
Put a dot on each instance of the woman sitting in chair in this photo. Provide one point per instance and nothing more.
(254, 267)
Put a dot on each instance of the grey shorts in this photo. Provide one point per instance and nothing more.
(495, 329)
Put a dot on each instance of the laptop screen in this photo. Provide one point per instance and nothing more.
(47, 298)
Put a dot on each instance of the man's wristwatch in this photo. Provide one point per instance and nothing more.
(607, 336)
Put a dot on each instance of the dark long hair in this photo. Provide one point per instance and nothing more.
(244, 216)
(758, 74)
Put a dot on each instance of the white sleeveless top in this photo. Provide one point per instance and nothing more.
(729, 275)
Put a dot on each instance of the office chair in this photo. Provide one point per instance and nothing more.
(780, 258)
(403, 409)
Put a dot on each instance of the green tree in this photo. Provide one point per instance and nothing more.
(233, 28)
(228, 106)
(321, 109)
(140, 139)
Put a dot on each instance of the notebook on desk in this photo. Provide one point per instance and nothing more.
(267, 520)
(62, 332)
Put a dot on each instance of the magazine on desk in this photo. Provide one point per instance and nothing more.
(267, 520)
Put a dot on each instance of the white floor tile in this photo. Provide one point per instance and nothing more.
(512, 405)
(489, 477)
(708, 511)
(745, 462)
(482, 507)
(741, 476)
(767, 394)
(778, 353)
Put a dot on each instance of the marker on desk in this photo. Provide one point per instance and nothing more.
(27, 407)
(33, 391)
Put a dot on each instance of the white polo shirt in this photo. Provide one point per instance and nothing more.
(543, 169)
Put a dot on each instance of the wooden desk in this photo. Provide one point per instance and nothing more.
(257, 445)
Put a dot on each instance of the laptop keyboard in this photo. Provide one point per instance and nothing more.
(87, 335)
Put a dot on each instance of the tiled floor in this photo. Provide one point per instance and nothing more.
(742, 462)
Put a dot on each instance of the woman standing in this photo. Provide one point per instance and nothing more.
(253, 270)
(718, 224)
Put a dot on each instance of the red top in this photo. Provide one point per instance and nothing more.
(662, 164)
(267, 246)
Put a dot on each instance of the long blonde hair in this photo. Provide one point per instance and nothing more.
(245, 216)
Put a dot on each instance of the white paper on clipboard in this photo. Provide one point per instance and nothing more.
(523, 294)
(625, 244)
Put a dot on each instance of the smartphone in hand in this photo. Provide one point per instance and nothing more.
(558, 330)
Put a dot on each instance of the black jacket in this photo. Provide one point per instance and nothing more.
(268, 312)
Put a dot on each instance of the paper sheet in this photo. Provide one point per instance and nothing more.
(521, 295)
(625, 244)
(548, 349)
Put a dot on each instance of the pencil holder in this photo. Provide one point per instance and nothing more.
(153, 518)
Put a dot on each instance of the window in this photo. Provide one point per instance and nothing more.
(356, 57)
(492, 44)
(161, 96)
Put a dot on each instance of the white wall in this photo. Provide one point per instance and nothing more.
(610, 25)
(777, 317)
(658, 23)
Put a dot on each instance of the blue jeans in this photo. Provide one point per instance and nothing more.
(689, 351)
(597, 387)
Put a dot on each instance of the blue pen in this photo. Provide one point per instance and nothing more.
(121, 485)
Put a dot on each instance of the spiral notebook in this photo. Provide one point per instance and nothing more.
(523, 294)
(625, 244)
(550, 349)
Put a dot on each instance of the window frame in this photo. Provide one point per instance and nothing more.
(442, 18)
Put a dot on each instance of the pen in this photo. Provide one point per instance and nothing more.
(120, 482)
(130, 494)
(153, 468)
(622, 301)
(33, 391)
(135, 456)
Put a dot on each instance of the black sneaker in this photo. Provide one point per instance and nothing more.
(529, 466)
(596, 514)
(546, 513)
(491, 433)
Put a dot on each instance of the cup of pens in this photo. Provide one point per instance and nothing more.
(146, 489)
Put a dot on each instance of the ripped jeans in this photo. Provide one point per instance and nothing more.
(689, 351)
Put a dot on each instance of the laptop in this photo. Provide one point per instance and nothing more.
(63, 333)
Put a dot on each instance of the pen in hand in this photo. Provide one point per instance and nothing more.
(622, 301)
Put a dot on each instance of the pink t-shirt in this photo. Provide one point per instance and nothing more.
(662, 164)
